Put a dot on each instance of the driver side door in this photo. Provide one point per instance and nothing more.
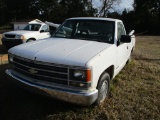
(122, 48)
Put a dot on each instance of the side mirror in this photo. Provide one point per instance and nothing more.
(41, 31)
(125, 38)
(131, 33)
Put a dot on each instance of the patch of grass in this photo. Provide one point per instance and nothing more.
(135, 93)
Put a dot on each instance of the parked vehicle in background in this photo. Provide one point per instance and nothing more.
(52, 26)
(77, 63)
(31, 32)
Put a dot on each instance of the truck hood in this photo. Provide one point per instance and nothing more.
(20, 32)
(60, 51)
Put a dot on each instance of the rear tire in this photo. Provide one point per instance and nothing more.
(130, 57)
(103, 88)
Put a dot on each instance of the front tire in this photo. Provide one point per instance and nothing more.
(130, 57)
(30, 40)
(103, 88)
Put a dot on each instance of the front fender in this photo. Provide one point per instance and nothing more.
(101, 62)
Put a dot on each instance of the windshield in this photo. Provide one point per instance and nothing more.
(32, 27)
(93, 30)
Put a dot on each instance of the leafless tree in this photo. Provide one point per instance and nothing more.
(106, 6)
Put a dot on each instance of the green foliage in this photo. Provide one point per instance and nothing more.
(147, 14)
(144, 19)
(3, 12)
(46, 10)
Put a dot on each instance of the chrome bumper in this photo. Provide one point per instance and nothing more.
(81, 98)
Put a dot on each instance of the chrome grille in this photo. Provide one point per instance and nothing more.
(41, 71)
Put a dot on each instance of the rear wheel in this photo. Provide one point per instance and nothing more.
(103, 88)
(130, 57)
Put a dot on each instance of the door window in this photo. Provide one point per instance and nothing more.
(121, 31)
(45, 28)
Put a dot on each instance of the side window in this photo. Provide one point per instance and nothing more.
(121, 31)
(45, 28)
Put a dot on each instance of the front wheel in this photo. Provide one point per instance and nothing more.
(103, 88)
(30, 40)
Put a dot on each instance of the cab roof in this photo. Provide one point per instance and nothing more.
(95, 18)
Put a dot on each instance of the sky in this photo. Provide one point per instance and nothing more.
(124, 4)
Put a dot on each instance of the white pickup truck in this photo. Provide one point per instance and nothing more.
(77, 63)
(31, 32)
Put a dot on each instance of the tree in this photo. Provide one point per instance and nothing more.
(147, 15)
(107, 5)
(46, 9)
(74, 8)
(3, 12)
(59, 10)
(18, 9)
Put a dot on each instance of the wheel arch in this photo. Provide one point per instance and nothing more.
(110, 71)
(30, 39)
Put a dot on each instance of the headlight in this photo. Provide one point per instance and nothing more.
(80, 75)
(80, 78)
(10, 58)
(20, 37)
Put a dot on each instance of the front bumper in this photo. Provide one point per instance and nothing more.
(11, 42)
(81, 98)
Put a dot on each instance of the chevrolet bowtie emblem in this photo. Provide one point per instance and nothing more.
(33, 71)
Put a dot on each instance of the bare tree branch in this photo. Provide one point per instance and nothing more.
(106, 6)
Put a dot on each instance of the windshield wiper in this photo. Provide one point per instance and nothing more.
(79, 38)
(98, 40)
